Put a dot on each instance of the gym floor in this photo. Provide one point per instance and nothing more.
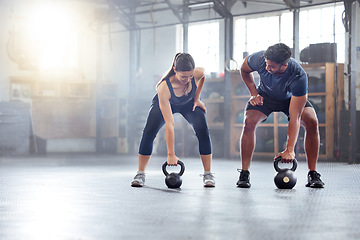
(88, 196)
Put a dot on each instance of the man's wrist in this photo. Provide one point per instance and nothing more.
(290, 149)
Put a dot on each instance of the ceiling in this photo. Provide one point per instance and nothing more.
(142, 14)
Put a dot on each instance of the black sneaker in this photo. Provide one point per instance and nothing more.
(244, 179)
(314, 180)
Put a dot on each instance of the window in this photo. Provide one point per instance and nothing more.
(321, 25)
(317, 25)
(265, 32)
(203, 45)
(286, 28)
(257, 33)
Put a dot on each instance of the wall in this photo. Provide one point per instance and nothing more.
(358, 57)
(346, 81)
(115, 59)
(7, 67)
(157, 52)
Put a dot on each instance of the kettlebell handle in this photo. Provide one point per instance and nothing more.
(278, 159)
(181, 170)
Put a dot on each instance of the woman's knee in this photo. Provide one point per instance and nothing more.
(201, 131)
(199, 124)
(149, 133)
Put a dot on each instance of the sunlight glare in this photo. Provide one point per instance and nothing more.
(52, 33)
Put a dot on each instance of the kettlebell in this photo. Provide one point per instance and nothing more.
(285, 178)
(173, 180)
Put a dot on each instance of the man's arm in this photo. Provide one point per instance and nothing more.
(296, 108)
(248, 79)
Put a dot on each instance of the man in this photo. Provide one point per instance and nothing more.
(282, 88)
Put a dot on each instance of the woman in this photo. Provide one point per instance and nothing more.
(178, 92)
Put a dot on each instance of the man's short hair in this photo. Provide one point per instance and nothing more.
(279, 53)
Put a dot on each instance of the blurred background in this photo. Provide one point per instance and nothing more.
(79, 75)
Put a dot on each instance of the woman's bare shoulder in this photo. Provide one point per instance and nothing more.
(199, 72)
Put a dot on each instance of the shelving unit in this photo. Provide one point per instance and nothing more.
(272, 134)
(66, 108)
(61, 108)
(213, 96)
(326, 80)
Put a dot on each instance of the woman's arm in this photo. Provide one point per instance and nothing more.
(165, 107)
(199, 75)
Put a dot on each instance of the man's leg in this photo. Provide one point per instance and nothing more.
(312, 145)
(247, 139)
(312, 138)
(247, 144)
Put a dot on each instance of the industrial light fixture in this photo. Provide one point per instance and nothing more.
(201, 5)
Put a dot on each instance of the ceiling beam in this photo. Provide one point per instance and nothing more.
(126, 18)
(295, 4)
(291, 4)
(221, 9)
(175, 10)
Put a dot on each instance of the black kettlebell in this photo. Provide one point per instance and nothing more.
(285, 178)
(173, 180)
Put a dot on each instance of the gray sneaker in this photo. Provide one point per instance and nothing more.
(208, 179)
(139, 180)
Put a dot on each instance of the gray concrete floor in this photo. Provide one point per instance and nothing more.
(83, 197)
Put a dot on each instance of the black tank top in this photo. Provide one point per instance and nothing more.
(182, 99)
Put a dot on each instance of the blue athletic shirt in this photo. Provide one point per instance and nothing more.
(293, 81)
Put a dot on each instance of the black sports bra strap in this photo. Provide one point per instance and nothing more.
(193, 83)
(170, 87)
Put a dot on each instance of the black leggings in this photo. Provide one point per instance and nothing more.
(155, 122)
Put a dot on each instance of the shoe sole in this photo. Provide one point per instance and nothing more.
(209, 185)
(317, 186)
(136, 184)
(314, 186)
(243, 186)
